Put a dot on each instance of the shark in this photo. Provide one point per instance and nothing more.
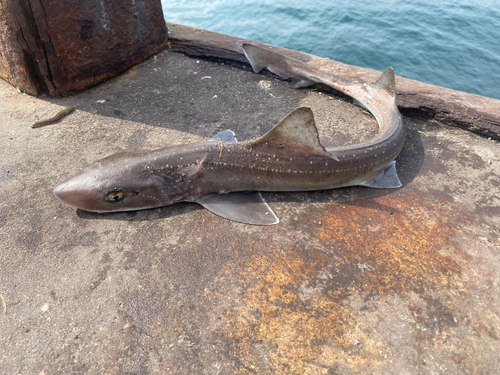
(227, 177)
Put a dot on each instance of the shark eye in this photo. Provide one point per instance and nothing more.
(114, 196)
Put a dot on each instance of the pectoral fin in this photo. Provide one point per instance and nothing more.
(386, 178)
(244, 207)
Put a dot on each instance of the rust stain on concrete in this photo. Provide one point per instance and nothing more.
(296, 315)
(400, 240)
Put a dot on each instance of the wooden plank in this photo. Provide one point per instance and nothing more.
(472, 112)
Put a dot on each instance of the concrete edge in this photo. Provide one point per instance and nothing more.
(476, 113)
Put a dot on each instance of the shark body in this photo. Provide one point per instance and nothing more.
(226, 176)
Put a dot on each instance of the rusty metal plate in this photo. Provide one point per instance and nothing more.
(66, 46)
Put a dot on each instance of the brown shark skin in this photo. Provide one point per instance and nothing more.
(187, 173)
(275, 162)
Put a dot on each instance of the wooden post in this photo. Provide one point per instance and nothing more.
(63, 46)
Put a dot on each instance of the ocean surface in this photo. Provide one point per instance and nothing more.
(454, 44)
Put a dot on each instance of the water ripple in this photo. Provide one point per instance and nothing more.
(448, 43)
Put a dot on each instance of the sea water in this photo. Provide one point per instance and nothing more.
(455, 44)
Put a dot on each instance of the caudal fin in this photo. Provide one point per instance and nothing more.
(261, 58)
(256, 56)
(281, 65)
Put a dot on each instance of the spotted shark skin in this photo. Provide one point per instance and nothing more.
(226, 176)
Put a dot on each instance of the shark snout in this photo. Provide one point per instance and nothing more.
(64, 192)
(76, 193)
(67, 193)
(96, 190)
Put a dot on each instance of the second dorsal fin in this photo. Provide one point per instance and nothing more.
(298, 130)
(386, 82)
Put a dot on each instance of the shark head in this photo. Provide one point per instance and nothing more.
(120, 182)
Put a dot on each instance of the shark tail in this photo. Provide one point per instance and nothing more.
(281, 65)
(276, 63)
(256, 56)
(261, 58)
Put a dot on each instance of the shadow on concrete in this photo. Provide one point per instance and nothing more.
(173, 91)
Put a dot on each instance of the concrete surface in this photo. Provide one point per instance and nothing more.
(352, 280)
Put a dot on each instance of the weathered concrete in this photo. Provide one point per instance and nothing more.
(352, 280)
(473, 112)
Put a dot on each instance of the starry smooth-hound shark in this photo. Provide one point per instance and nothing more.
(226, 176)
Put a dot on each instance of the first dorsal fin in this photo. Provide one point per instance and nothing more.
(386, 82)
(298, 130)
